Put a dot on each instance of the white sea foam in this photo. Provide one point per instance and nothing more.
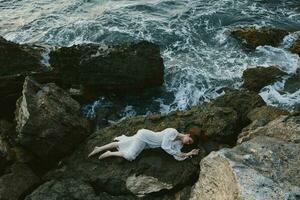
(276, 95)
(199, 54)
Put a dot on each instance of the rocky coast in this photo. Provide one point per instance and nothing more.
(249, 150)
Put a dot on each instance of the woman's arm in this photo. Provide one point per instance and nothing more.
(183, 154)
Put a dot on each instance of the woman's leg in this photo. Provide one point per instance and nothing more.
(104, 147)
(109, 154)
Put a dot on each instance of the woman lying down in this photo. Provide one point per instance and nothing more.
(169, 139)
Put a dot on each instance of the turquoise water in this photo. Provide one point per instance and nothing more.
(200, 56)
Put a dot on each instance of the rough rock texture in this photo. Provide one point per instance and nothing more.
(257, 78)
(17, 182)
(122, 68)
(266, 113)
(6, 136)
(254, 37)
(166, 178)
(295, 48)
(17, 61)
(242, 102)
(16, 58)
(141, 185)
(49, 122)
(284, 127)
(69, 189)
(263, 168)
(292, 84)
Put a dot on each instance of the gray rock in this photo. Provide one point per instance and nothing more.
(257, 78)
(284, 127)
(49, 122)
(17, 182)
(242, 102)
(124, 68)
(263, 168)
(142, 185)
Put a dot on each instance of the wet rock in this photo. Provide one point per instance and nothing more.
(257, 78)
(265, 114)
(65, 189)
(121, 68)
(284, 127)
(49, 122)
(295, 48)
(262, 168)
(6, 136)
(16, 58)
(292, 84)
(106, 115)
(16, 183)
(163, 172)
(17, 61)
(254, 37)
(154, 174)
(242, 102)
(142, 185)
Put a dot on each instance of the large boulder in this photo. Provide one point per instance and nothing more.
(263, 168)
(284, 127)
(17, 61)
(257, 78)
(49, 123)
(70, 189)
(242, 102)
(125, 67)
(16, 58)
(18, 182)
(254, 37)
(262, 115)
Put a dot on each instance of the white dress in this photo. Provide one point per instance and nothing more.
(132, 146)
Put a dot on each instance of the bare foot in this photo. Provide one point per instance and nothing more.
(104, 155)
(94, 151)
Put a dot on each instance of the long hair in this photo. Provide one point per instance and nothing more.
(195, 133)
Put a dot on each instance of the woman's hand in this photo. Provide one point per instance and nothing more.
(194, 152)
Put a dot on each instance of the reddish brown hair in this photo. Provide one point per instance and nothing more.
(194, 133)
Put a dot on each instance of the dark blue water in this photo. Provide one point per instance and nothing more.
(200, 56)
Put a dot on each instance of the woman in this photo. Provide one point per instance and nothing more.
(169, 139)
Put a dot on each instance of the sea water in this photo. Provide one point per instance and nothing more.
(200, 56)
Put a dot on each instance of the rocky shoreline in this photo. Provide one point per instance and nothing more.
(249, 150)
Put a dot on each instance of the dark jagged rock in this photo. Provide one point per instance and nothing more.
(17, 61)
(292, 84)
(295, 48)
(122, 68)
(17, 182)
(257, 78)
(11, 89)
(49, 122)
(105, 115)
(242, 102)
(254, 37)
(16, 58)
(6, 136)
(67, 188)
